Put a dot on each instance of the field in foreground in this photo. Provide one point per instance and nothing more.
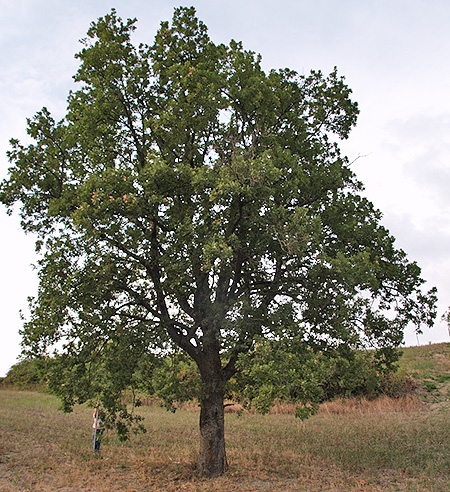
(383, 446)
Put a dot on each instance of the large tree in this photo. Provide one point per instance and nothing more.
(189, 199)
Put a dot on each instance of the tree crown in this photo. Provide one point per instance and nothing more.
(189, 199)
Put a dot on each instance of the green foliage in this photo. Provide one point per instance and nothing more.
(27, 373)
(101, 381)
(284, 370)
(176, 380)
(189, 200)
(363, 374)
(290, 370)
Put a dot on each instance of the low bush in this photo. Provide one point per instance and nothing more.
(26, 374)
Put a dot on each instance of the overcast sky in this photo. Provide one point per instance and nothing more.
(393, 53)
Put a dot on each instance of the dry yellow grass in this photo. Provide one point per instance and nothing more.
(381, 404)
(347, 447)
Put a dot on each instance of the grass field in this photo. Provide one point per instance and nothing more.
(381, 445)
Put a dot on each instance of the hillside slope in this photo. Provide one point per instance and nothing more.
(430, 366)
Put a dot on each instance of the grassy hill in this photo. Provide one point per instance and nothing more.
(430, 366)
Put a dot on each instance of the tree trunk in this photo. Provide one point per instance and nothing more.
(212, 458)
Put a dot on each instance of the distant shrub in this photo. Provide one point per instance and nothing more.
(28, 373)
(294, 372)
(365, 374)
(398, 385)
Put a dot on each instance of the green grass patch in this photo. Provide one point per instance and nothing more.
(429, 365)
(427, 361)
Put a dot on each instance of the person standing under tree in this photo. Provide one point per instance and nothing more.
(97, 431)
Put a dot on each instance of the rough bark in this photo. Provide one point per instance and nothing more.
(212, 457)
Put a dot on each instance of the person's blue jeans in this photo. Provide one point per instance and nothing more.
(96, 439)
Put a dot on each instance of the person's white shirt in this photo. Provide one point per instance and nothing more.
(98, 423)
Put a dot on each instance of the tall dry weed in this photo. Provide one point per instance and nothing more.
(382, 404)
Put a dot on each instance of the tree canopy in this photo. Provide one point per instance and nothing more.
(190, 200)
